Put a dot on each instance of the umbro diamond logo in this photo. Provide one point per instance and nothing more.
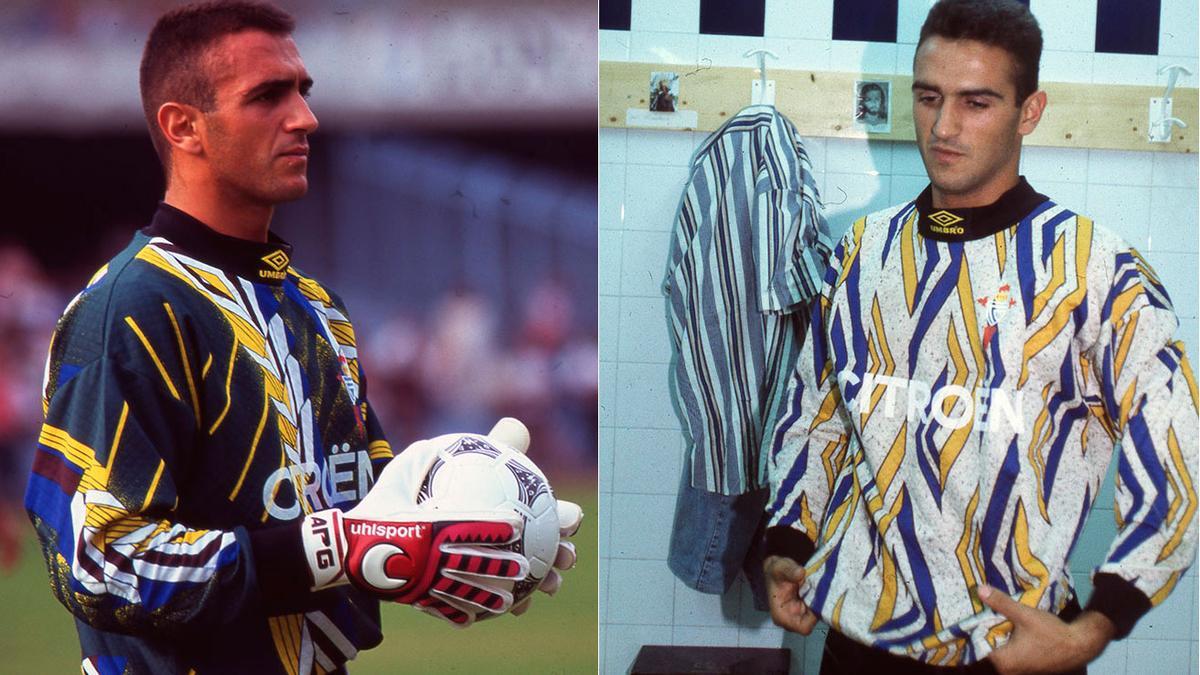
(945, 218)
(944, 222)
(277, 260)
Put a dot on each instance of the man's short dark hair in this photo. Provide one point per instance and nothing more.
(1006, 24)
(173, 64)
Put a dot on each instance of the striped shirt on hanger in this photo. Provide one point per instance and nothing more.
(748, 250)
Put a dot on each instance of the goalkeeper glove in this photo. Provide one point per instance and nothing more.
(388, 548)
(511, 432)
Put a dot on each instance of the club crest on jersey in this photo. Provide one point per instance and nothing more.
(347, 378)
(994, 307)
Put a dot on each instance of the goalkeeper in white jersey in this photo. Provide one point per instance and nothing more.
(975, 355)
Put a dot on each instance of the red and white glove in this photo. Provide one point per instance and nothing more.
(387, 547)
(514, 434)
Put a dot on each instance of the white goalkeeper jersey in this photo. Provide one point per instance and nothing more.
(952, 416)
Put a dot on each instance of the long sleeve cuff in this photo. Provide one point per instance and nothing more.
(789, 542)
(284, 582)
(1118, 600)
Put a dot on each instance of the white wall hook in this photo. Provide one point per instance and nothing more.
(762, 91)
(1172, 75)
(1160, 120)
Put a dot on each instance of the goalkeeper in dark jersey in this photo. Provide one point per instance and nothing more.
(976, 355)
(211, 488)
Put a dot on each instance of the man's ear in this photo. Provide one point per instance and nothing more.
(183, 127)
(1031, 112)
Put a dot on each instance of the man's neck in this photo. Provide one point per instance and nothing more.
(233, 218)
(983, 197)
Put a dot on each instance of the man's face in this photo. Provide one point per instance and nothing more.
(872, 100)
(968, 122)
(257, 140)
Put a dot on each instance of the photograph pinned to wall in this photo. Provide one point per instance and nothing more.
(663, 111)
(872, 105)
(664, 91)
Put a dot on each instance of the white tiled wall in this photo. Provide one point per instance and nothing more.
(1149, 198)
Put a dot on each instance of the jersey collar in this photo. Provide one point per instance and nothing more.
(976, 222)
(265, 263)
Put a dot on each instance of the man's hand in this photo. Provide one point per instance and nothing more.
(388, 547)
(784, 577)
(512, 432)
(1043, 643)
(569, 518)
(454, 611)
(407, 559)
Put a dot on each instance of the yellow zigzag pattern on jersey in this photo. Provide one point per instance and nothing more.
(968, 553)
(338, 328)
(1184, 490)
(880, 361)
(960, 370)
(1043, 433)
(1030, 572)
(299, 654)
(885, 609)
(953, 445)
(806, 519)
(265, 345)
(106, 519)
(1061, 312)
(940, 654)
(908, 262)
(340, 333)
(290, 638)
(245, 332)
(843, 514)
(829, 405)
(379, 449)
(342, 330)
(95, 474)
(1000, 239)
(1162, 593)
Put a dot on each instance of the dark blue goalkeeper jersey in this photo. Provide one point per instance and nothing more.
(201, 397)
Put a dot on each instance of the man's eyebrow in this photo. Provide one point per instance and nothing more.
(979, 91)
(277, 85)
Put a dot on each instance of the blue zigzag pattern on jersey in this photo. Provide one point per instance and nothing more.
(1147, 523)
(993, 519)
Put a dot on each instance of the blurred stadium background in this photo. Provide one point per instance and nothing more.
(452, 204)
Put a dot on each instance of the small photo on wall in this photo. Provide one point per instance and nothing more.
(873, 105)
(664, 91)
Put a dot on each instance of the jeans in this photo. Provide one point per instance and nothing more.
(715, 536)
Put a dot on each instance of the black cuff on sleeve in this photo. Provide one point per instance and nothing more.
(1118, 600)
(284, 581)
(785, 541)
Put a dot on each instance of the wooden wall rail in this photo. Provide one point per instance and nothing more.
(1106, 116)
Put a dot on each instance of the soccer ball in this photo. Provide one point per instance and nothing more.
(476, 474)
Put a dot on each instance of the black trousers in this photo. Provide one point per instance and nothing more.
(844, 656)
